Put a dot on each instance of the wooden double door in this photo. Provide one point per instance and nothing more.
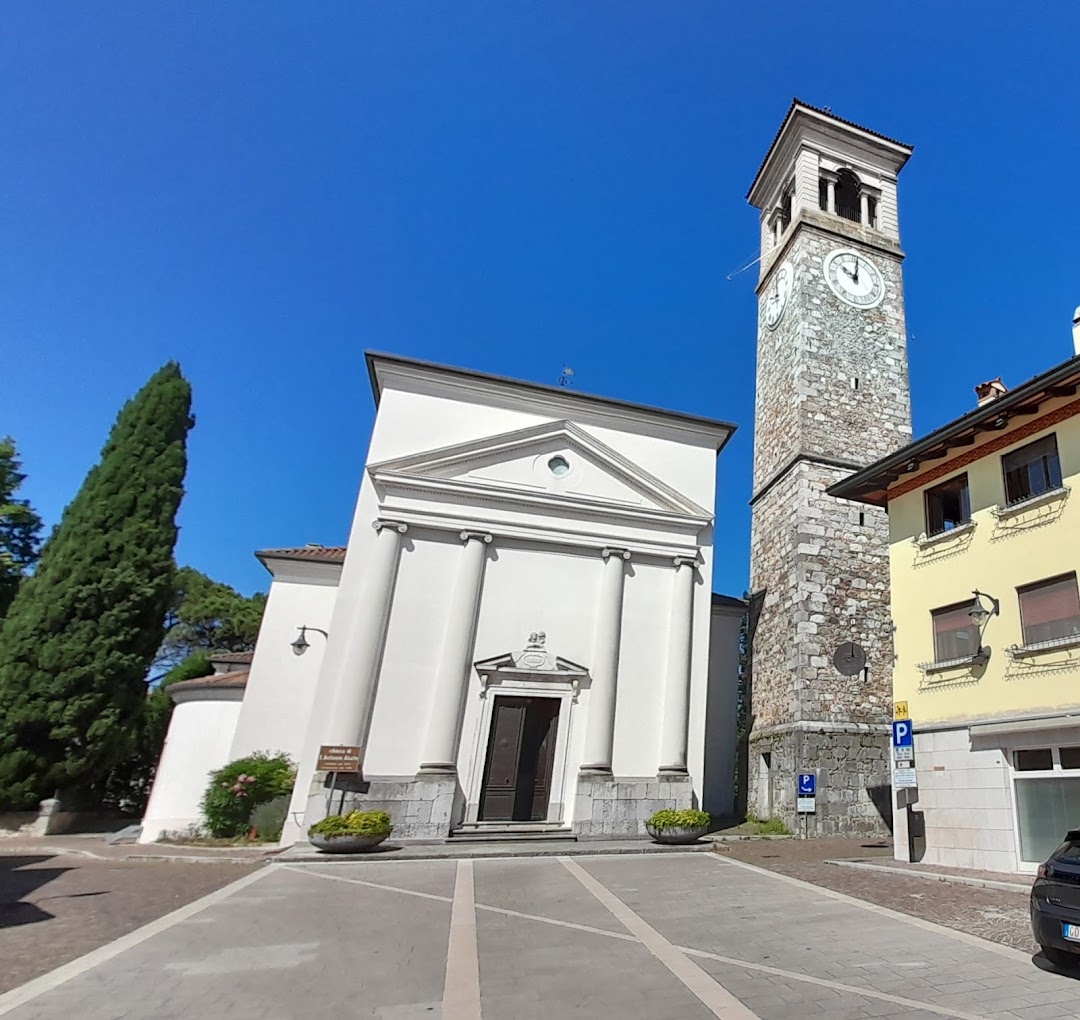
(520, 760)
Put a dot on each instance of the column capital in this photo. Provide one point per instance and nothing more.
(608, 551)
(482, 536)
(397, 526)
(686, 559)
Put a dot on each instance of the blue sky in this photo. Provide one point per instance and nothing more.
(263, 190)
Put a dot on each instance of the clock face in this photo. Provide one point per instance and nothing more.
(854, 278)
(849, 658)
(776, 295)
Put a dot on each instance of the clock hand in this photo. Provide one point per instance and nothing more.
(856, 276)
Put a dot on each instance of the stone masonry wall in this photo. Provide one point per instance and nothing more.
(832, 394)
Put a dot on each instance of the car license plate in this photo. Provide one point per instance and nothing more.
(1071, 932)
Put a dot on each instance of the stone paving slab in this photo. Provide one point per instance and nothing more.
(304, 852)
(630, 936)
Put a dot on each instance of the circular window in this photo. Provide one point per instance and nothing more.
(558, 466)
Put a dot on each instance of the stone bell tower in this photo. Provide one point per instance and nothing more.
(832, 396)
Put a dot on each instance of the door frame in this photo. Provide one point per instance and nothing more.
(525, 687)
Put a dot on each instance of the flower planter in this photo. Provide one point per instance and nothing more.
(345, 844)
(676, 834)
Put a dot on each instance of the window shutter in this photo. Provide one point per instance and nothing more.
(1051, 602)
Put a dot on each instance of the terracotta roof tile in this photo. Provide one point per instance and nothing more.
(312, 553)
(232, 657)
(219, 681)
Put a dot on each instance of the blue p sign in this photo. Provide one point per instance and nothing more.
(807, 784)
(901, 733)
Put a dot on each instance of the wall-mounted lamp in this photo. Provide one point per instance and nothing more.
(301, 644)
(978, 612)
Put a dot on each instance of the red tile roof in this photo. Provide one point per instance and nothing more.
(312, 553)
(218, 681)
(232, 657)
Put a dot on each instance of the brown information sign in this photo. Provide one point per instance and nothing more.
(338, 758)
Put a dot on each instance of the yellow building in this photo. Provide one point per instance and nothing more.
(984, 551)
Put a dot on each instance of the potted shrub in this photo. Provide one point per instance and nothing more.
(678, 826)
(352, 833)
(235, 790)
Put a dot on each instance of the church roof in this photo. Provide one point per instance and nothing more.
(796, 104)
(311, 553)
(215, 681)
(374, 358)
(231, 656)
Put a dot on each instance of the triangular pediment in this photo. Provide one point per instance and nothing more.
(533, 659)
(554, 462)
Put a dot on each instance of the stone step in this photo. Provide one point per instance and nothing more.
(479, 832)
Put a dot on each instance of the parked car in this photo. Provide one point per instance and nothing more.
(1055, 904)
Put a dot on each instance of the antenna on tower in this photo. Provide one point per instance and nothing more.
(567, 377)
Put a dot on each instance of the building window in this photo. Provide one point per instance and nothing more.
(947, 505)
(785, 209)
(955, 634)
(1047, 782)
(1031, 470)
(559, 466)
(847, 195)
(1050, 610)
(1034, 759)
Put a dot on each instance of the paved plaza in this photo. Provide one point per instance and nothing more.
(686, 936)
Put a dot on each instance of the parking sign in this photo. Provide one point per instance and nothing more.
(901, 733)
(807, 784)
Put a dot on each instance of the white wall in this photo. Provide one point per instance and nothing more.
(966, 803)
(198, 742)
(529, 584)
(281, 685)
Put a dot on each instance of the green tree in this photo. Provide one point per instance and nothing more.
(207, 615)
(127, 785)
(20, 527)
(82, 632)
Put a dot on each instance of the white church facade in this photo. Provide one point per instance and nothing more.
(521, 633)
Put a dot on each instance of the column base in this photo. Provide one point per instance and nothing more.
(437, 768)
(594, 770)
(609, 807)
(667, 771)
(421, 807)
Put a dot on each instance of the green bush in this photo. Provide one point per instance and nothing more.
(269, 819)
(768, 826)
(237, 789)
(358, 823)
(687, 819)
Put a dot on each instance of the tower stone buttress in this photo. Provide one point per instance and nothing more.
(831, 396)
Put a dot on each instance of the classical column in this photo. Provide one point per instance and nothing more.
(830, 186)
(355, 683)
(600, 726)
(864, 208)
(677, 684)
(455, 658)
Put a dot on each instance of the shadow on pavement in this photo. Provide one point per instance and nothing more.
(18, 879)
(1069, 971)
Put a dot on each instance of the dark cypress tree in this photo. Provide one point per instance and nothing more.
(81, 633)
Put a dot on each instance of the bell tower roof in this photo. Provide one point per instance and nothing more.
(812, 127)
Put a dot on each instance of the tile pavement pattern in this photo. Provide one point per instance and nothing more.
(683, 936)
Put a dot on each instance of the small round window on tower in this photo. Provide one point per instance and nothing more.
(558, 466)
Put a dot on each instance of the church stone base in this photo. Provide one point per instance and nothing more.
(854, 784)
(420, 807)
(607, 807)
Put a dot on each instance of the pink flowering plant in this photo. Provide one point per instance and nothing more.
(237, 789)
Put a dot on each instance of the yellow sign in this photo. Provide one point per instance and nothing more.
(900, 710)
